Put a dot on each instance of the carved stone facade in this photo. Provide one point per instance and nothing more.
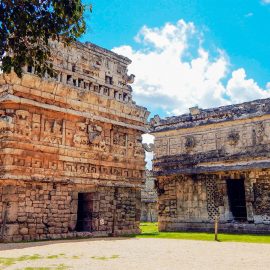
(71, 157)
(214, 163)
(149, 199)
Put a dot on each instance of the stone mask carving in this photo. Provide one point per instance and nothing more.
(233, 137)
(190, 142)
(22, 115)
(94, 134)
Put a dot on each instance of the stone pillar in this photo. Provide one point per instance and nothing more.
(249, 194)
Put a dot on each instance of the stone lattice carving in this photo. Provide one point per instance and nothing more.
(212, 198)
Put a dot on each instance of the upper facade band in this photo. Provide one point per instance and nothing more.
(234, 137)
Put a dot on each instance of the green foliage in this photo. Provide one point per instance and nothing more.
(27, 258)
(150, 230)
(36, 268)
(54, 256)
(10, 261)
(27, 26)
(104, 258)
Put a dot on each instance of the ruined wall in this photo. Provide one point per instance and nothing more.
(192, 203)
(44, 210)
(80, 128)
(37, 210)
(197, 153)
(119, 209)
(149, 199)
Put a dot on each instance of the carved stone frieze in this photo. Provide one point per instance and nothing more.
(67, 136)
(23, 123)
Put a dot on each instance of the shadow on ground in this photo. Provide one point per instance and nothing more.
(22, 245)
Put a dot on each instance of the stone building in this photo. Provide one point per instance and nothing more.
(71, 157)
(214, 163)
(149, 199)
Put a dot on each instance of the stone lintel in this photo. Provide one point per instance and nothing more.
(213, 169)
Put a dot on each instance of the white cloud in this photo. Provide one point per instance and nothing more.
(175, 72)
(250, 14)
(266, 1)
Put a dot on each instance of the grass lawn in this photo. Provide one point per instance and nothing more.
(150, 230)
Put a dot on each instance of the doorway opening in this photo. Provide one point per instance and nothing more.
(84, 212)
(237, 199)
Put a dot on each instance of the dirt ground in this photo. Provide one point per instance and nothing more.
(134, 254)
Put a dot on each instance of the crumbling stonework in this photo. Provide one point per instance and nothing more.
(71, 157)
(212, 164)
(149, 199)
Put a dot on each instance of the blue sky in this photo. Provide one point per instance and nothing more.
(236, 32)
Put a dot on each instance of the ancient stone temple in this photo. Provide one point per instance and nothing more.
(149, 199)
(71, 157)
(214, 163)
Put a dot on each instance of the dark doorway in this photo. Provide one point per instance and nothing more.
(84, 213)
(237, 199)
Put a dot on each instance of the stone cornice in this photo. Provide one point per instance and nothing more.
(241, 111)
(99, 182)
(11, 98)
(214, 168)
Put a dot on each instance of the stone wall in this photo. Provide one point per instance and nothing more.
(192, 203)
(33, 211)
(44, 210)
(196, 154)
(79, 132)
(149, 199)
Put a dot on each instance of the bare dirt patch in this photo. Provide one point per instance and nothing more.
(134, 254)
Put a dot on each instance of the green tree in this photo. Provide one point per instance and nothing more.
(26, 26)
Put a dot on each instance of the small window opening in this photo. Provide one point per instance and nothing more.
(69, 79)
(106, 91)
(96, 88)
(80, 82)
(108, 80)
(30, 69)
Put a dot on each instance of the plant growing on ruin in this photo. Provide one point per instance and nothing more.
(27, 26)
